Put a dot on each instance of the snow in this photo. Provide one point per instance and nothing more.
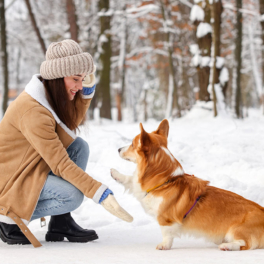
(220, 99)
(203, 29)
(197, 13)
(109, 12)
(220, 61)
(224, 76)
(212, 1)
(194, 49)
(226, 151)
(196, 60)
(135, 12)
(205, 61)
(254, 62)
(103, 38)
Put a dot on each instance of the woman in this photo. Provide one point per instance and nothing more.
(42, 169)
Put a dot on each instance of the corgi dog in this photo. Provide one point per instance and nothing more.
(185, 204)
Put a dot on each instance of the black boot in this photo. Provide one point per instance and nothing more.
(11, 234)
(61, 226)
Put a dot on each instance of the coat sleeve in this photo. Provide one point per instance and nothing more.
(38, 127)
(82, 109)
(87, 96)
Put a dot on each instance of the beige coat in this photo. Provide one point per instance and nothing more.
(33, 141)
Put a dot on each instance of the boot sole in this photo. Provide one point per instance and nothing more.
(12, 241)
(57, 237)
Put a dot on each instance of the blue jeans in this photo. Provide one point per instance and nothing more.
(59, 196)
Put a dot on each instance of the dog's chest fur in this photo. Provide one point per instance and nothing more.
(149, 202)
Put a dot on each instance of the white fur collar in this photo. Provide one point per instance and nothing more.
(36, 90)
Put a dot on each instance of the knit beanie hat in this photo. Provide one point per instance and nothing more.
(64, 59)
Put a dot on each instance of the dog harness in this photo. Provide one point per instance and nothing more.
(192, 206)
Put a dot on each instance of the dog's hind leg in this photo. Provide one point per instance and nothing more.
(233, 246)
(237, 239)
(121, 178)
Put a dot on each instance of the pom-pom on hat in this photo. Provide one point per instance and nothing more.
(64, 59)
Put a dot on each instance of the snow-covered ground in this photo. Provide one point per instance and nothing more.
(228, 152)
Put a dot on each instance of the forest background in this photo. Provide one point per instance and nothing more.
(155, 58)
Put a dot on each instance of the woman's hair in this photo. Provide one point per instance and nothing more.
(57, 97)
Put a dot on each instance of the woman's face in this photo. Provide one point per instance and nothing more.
(73, 84)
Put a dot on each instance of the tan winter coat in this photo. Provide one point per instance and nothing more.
(33, 141)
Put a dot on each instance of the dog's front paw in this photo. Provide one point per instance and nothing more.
(164, 246)
(115, 174)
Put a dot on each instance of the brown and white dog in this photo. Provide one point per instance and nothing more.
(184, 204)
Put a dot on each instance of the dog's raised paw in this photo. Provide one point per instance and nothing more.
(114, 174)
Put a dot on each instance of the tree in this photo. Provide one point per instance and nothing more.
(105, 60)
(72, 19)
(122, 65)
(4, 54)
(213, 57)
(173, 89)
(261, 9)
(35, 26)
(238, 59)
(201, 16)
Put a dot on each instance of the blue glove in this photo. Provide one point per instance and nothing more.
(88, 90)
(105, 194)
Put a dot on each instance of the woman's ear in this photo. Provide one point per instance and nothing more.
(163, 128)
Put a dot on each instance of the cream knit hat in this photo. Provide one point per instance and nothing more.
(64, 59)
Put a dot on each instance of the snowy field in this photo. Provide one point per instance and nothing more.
(227, 152)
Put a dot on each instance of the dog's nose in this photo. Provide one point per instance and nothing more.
(119, 150)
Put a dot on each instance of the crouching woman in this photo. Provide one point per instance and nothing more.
(42, 168)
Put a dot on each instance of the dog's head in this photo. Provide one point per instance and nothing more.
(149, 151)
(145, 143)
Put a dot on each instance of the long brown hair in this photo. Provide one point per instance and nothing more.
(57, 97)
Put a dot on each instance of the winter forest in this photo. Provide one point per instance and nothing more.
(155, 58)
(197, 63)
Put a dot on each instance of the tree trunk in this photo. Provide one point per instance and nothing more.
(169, 43)
(238, 51)
(214, 50)
(4, 55)
(204, 44)
(72, 19)
(34, 24)
(122, 62)
(218, 9)
(261, 9)
(105, 60)
(118, 105)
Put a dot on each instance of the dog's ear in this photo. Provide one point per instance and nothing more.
(163, 128)
(144, 139)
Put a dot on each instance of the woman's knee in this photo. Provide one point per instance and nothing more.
(75, 199)
(82, 146)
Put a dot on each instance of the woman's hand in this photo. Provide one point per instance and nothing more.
(112, 206)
